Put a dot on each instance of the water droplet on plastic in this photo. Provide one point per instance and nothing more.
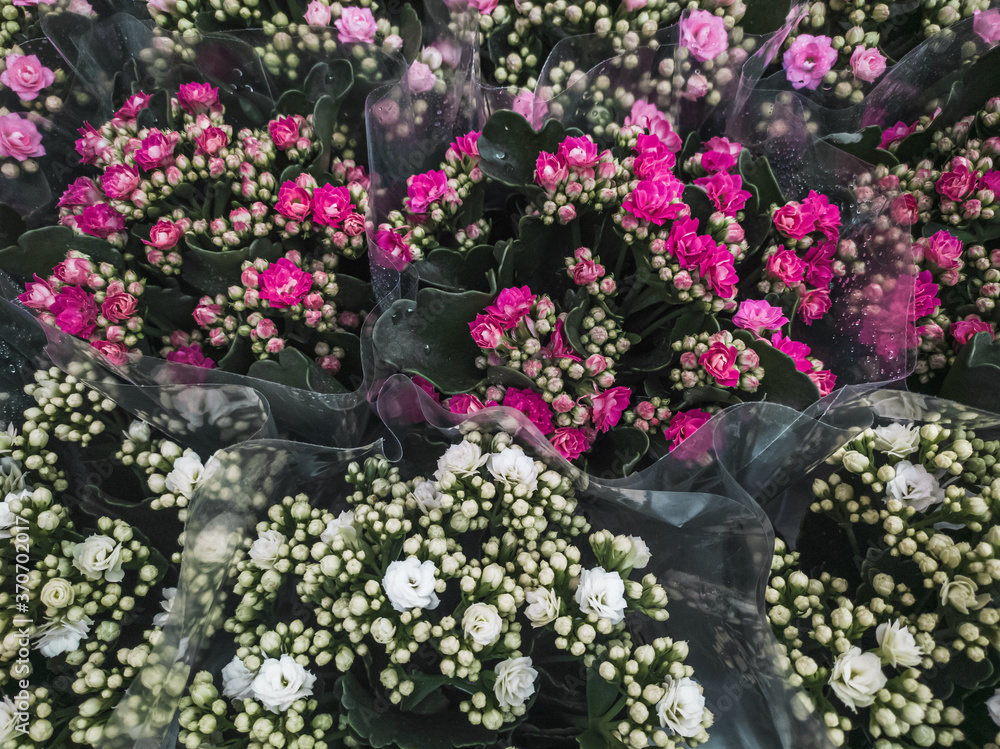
(427, 348)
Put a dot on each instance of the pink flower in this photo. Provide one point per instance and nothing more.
(26, 76)
(644, 114)
(485, 7)
(721, 155)
(824, 380)
(114, 351)
(156, 150)
(511, 306)
(424, 189)
(569, 442)
(758, 315)
(420, 77)
(685, 244)
(354, 224)
(37, 294)
(944, 250)
(207, 313)
(586, 271)
(825, 215)
(808, 60)
(550, 170)
(132, 106)
(426, 386)
(796, 350)
(394, 250)
(19, 138)
(578, 153)
(719, 270)
(867, 64)
(725, 191)
(92, 145)
(532, 405)
(904, 209)
(608, 407)
(655, 160)
(964, 330)
(633, 5)
(284, 284)
(317, 14)
(813, 304)
(82, 192)
(100, 221)
(684, 424)
(531, 107)
(356, 25)
(986, 24)
(195, 98)
(211, 141)
(284, 132)
(925, 296)
(595, 364)
(331, 205)
(487, 332)
(655, 201)
(119, 181)
(896, 133)
(957, 183)
(794, 221)
(465, 403)
(467, 145)
(164, 235)
(192, 355)
(558, 347)
(704, 34)
(75, 311)
(294, 202)
(720, 363)
(119, 306)
(74, 270)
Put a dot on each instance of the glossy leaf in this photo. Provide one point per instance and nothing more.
(509, 147)
(974, 378)
(40, 250)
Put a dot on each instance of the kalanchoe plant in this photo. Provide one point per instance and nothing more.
(640, 288)
(888, 615)
(460, 603)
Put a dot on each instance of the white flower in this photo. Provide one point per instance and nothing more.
(515, 682)
(856, 678)
(513, 467)
(7, 519)
(914, 486)
(897, 440)
(57, 593)
(409, 584)
(543, 606)
(897, 644)
(61, 636)
(992, 705)
(167, 604)
(639, 556)
(427, 497)
(960, 592)
(8, 721)
(682, 708)
(856, 462)
(264, 551)
(216, 542)
(343, 526)
(383, 630)
(237, 680)
(99, 556)
(463, 459)
(183, 478)
(280, 682)
(138, 431)
(602, 593)
(482, 623)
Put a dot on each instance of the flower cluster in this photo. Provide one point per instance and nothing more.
(889, 643)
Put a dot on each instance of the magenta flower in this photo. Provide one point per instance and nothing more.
(284, 284)
(37, 294)
(720, 363)
(956, 183)
(608, 407)
(196, 98)
(75, 311)
(986, 24)
(132, 106)
(813, 304)
(687, 245)
(487, 332)
(925, 296)
(867, 64)
(683, 425)
(284, 132)
(808, 60)
(119, 306)
(785, 266)
(114, 351)
(99, 221)
(656, 201)
(796, 350)
(569, 442)
(964, 330)
(558, 347)
(896, 133)
(331, 205)
(944, 250)
(26, 76)
(719, 270)
(654, 160)
(550, 171)
(532, 405)
(164, 235)
(511, 306)
(120, 181)
(317, 14)
(427, 387)
(825, 214)
(904, 209)
(425, 189)
(156, 150)
(207, 313)
(394, 250)
(74, 270)
(192, 355)
(356, 25)
(757, 315)
(211, 141)
(824, 380)
(19, 138)
(725, 191)
(704, 34)
(81, 192)
(467, 145)
(92, 146)
(465, 403)
(794, 220)
(721, 155)
(294, 202)
(578, 153)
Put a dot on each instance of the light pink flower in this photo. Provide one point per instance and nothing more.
(720, 363)
(119, 181)
(211, 141)
(683, 425)
(550, 170)
(164, 235)
(867, 64)
(156, 150)
(569, 442)
(986, 24)
(207, 313)
(192, 355)
(704, 34)
(904, 209)
(356, 25)
(92, 146)
(26, 76)
(37, 294)
(284, 284)
(197, 97)
(824, 380)
(294, 202)
(74, 270)
(465, 403)
(608, 407)
(114, 351)
(19, 138)
(758, 315)
(119, 306)
(484, 7)
(420, 77)
(531, 107)
(808, 60)
(487, 332)
(284, 132)
(317, 14)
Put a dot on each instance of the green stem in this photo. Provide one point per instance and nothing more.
(661, 322)
(633, 294)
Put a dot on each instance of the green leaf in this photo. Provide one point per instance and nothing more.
(757, 172)
(431, 338)
(40, 250)
(239, 357)
(509, 147)
(293, 101)
(863, 145)
(601, 695)
(412, 33)
(294, 369)
(11, 225)
(974, 378)
(616, 452)
(528, 260)
(764, 16)
(701, 205)
(170, 304)
(457, 269)
(157, 114)
(212, 272)
(782, 382)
